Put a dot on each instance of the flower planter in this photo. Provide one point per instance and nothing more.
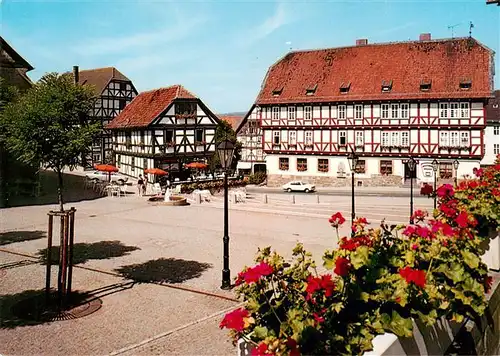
(492, 246)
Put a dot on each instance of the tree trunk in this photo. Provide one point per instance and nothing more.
(60, 189)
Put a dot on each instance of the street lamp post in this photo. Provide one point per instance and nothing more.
(412, 164)
(353, 161)
(435, 166)
(225, 151)
(455, 166)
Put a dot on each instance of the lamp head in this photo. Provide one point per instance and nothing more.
(435, 165)
(225, 150)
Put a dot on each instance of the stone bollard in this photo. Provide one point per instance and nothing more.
(293, 199)
(235, 199)
(317, 199)
(265, 199)
(197, 198)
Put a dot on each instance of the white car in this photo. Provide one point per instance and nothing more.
(104, 176)
(298, 186)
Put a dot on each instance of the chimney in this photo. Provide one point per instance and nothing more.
(76, 74)
(425, 37)
(361, 42)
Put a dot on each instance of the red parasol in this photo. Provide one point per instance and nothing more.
(156, 171)
(106, 168)
(199, 165)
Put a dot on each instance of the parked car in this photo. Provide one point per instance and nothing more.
(298, 186)
(104, 176)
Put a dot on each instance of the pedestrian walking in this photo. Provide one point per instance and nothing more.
(140, 184)
(145, 186)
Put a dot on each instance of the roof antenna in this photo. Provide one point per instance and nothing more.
(471, 26)
(452, 28)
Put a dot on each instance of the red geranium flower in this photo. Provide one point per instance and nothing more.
(414, 276)
(315, 284)
(419, 215)
(254, 274)
(319, 319)
(462, 219)
(234, 320)
(409, 230)
(342, 266)
(495, 192)
(414, 247)
(487, 284)
(292, 344)
(446, 229)
(478, 172)
(446, 190)
(351, 244)
(337, 219)
(260, 350)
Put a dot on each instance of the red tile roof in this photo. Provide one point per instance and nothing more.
(13, 59)
(100, 77)
(445, 62)
(232, 120)
(493, 108)
(147, 106)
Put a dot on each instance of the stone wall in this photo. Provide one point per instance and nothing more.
(376, 180)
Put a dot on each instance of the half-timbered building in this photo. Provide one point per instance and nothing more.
(492, 131)
(114, 91)
(253, 159)
(163, 128)
(385, 102)
(13, 67)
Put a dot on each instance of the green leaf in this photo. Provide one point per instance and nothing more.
(360, 257)
(328, 262)
(397, 324)
(470, 258)
(260, 332)
(455, 273)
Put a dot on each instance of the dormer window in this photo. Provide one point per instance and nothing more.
(386, 86)
(465, 84)
(311, 90)
(277, 91)
(344, 87)
(425, 85)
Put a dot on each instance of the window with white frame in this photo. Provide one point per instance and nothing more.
(385, 111)
(360, 138)
(464, 110)
(276, 113)
(444, 139)
(341, 110)
(276, 137)
(291, 113)
(454, 112)
(394, 138)
(385, 139)
(358, 111)
(405, 111)
(464, 139)
(308, 113)
(496, 130)
(443, 110)
(308, 138)
(292, 137)
(405, 139)
(454, 139)
(342, 138)
(394, 111)
(496, 148)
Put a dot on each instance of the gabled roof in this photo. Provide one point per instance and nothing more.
(363, 69)
(13, 59)
(493, 108)
(232, 120)
(100, 77)
(147, 106)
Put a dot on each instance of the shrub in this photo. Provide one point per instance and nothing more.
(382, 279)
(257, 178)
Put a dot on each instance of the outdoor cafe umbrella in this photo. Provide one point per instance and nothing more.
(199, 165)
(156, 171)
(106, 168)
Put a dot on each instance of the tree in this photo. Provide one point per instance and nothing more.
(224, 132)
(46, 125)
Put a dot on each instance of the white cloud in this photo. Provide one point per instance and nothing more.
(100, 46)
(280, 18)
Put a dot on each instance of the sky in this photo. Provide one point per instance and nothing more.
(221, 50)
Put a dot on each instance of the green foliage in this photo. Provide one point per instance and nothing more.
(383, 279)
(224, 132)
(214, 187)
(47, 124)
(257, 178)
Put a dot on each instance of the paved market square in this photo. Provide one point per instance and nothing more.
(174, 303)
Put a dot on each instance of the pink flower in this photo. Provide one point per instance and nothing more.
(446, 190)
(414, 247)
(419, 215)
(409, 230)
